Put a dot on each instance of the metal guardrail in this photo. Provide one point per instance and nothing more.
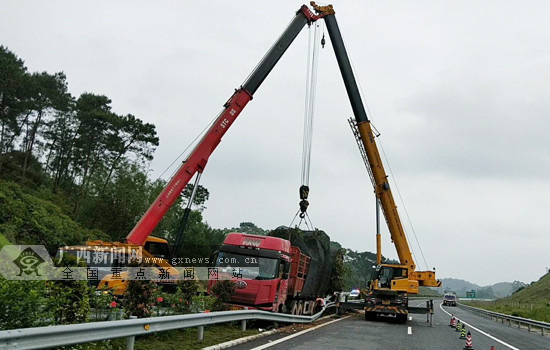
(46, 337)
(519, 321)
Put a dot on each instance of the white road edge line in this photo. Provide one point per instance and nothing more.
(275, 342)
(410, 330)
(480, 331)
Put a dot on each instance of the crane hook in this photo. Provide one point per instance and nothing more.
(304, 192)
(323, 41)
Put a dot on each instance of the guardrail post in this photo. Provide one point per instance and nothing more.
(200, 333)
(243, 323)
(131, 340)
(542, 331)
(529, 327)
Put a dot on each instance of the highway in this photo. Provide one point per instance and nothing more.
(354, 332)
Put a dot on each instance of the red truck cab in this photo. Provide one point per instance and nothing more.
(267, 271)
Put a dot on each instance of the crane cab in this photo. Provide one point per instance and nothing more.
(392, 277)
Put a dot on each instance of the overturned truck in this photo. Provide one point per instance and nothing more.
(288, 271)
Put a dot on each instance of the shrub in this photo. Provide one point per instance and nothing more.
(223, 291)
(69, 300)
(139, 298)
(23, 304)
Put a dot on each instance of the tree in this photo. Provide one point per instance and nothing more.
(118, 207)
(132, 136)
(13, 86)
(47, 95)
(93, 140)
(201, 196)
(60, 135)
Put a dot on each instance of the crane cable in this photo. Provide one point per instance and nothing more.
(311, 84)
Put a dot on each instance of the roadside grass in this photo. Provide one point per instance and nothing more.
(535, 311)
(178, 339)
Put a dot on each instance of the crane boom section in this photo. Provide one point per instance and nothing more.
(383, 192)
(198, 158)
(382, 188)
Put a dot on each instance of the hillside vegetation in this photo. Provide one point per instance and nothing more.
(28, 219)
(495, 291)
(531, 302)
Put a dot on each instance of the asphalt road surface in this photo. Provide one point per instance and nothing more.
(354, 332)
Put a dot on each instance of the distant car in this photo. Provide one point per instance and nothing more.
(449, 299)
(354, 293)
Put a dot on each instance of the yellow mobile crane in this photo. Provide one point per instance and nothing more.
(391, 285)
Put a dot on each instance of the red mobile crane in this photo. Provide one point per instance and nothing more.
(232, 108)
(196, 162)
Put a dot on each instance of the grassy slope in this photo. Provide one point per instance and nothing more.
(536, 293)
(532, 302)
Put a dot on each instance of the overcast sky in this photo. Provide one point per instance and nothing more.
(459, 90)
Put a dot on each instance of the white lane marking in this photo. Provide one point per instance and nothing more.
(410, 318)
(480, 331)
(265, 346)
(410, 331)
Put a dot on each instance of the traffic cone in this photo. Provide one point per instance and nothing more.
(457, 329)
(451, 324)
(463, 332)
(469, 345)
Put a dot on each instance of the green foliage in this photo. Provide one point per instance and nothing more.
(139, 298)
(12, 169)
(201, 196)
(203, 302)
(69, 300)
(340, 272)
(27, 219)
(106, 305)
(222, 291)
(77, 146)
(361, 266)
(183, 298)
(23, 304)
(13, 87)
(116, 209)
